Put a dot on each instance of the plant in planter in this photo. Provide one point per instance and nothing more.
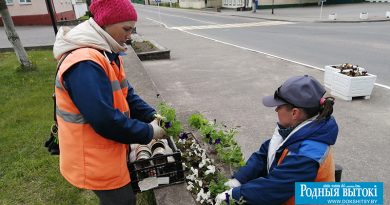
(223, 140)
(202, 177)
(172, 126)
(347, 81)
(224, 144)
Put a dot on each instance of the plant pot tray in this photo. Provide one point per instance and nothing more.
(157, 171)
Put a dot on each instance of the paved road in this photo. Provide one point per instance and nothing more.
(312, 43)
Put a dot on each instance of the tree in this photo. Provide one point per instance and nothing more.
(13, 37)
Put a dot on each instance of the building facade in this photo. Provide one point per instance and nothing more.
(35, 12)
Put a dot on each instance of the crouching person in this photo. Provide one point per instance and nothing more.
(300, 149)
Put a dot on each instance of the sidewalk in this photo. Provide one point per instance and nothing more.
(345, 13)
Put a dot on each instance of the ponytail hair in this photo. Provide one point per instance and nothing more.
(326, 108)
(324, 111)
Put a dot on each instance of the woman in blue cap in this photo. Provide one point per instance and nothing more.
(300, 149)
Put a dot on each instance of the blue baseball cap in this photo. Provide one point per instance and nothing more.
(299, 91)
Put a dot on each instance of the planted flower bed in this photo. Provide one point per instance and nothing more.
(148, 49)
(203, 178)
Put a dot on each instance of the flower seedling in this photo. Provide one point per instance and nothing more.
(169, 122)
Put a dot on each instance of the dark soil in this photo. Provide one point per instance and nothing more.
(144, 46)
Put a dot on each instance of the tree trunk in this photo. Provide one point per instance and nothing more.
(13, 37)
(88, 3)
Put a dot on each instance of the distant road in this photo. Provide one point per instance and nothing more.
(314, 44)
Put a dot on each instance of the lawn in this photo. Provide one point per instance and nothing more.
(28, 173)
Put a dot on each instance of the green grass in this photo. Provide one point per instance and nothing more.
(28, 173)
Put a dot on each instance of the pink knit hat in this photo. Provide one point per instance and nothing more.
(107, 12)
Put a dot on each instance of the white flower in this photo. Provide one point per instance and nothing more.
(190, 186)
(194, 171)
(210, 170)
(195, 146)
(184, 165)
(204, 155)
(182, 141)
(195, 152)
(202, 163)
(200, 183)
(192, 177)
(201, 195)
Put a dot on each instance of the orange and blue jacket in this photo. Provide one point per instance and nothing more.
(305, 156)
(94, 102)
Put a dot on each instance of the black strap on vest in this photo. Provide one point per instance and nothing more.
(52, 142)
(55, 78)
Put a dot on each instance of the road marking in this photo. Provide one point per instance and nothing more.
(256, 51)
(236, 25)
(183, 17)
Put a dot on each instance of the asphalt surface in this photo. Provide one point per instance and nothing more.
(227, 83)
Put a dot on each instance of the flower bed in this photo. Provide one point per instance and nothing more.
(204, 179)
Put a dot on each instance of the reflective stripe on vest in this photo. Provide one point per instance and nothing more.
(58, 84)
(88, 160)
(118, 86)
(325, 172)
(70, 117)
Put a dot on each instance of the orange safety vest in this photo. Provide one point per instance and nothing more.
(324, 174)
(87, 159)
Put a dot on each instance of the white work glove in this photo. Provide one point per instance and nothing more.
(158, 132)
(232, 183)
(222, 197)
(159, 117)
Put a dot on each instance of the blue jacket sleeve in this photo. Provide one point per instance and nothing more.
(255, 167)
(139, 109)
(278, 186)
(91, 92)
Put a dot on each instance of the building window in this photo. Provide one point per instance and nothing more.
(25, 1)
(9, 2)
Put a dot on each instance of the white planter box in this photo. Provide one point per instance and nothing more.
(363, 16)
(332, 16)
(346, 87)
(328, 75)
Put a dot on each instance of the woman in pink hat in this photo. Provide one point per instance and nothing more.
(97, 111)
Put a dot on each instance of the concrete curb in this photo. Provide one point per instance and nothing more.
(312, 21)
(29, 48)
(161, 53)
(147, 90)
